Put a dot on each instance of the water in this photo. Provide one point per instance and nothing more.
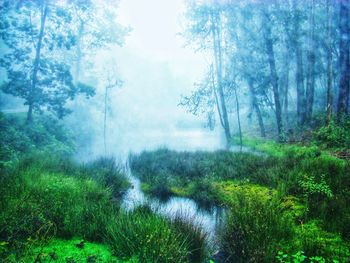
(208, 219)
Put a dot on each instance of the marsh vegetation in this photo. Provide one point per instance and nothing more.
(174, 131)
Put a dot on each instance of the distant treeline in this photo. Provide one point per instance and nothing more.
(284, 59)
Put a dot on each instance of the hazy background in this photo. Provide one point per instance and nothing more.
(156, 69)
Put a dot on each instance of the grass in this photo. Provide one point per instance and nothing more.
(272, 198)
(154, 238)
(45, 198)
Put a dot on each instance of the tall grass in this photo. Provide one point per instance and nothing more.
(47, 198)
(154, 238)
(255, 229)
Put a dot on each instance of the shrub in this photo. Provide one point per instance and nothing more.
(46, 134)
(334, 135)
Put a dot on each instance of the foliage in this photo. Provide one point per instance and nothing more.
(335, 135)
(37, 34)
(46, 134)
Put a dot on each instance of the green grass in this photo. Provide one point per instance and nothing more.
(272, 197)
(154, 238)
(51, 198)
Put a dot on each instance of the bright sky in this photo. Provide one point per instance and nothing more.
(156, 24)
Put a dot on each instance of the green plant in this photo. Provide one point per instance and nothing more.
(254, 228)
(152, 238)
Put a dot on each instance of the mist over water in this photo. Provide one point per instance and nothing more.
(156, 69)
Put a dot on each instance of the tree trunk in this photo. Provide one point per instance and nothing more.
(285, 90)
(256, 108)
(301, 101)
(273, 74)
(329, 107)
(238, 119)
(32, 95)
(216, 34)
(343, 98)
(310, 83)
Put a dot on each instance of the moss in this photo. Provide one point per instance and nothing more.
(145, 188)
(180, 191)
(74, 250)
(294, 206)
(315, 241)
(229, 191)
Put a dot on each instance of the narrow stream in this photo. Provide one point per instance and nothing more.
(209, 220)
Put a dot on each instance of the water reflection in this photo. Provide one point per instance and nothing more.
(208, 219)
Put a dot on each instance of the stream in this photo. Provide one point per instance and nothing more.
(209, 220)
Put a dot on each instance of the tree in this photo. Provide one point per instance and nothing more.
(311, 56)
(36, 32)
(96, 28)
(110, 81)
(273, 71)
(205, 31)
(329, 106)
(344, 63)
(299, 73)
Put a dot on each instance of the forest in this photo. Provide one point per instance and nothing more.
(165, 131)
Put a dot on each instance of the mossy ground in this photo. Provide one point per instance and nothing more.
(74, 250)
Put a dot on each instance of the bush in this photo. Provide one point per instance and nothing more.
(334, 135)
(46, 134)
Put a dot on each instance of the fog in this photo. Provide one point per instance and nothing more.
(156, 69)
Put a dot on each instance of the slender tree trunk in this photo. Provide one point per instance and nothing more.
(216, 97)
(286, 85)
(238, 119)
(256, 108)
(310, 84)
(216, 34)
(301, 101)
(329, 66)
(273, 74)
(344, 44)
(287, 60)
(32, 95)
